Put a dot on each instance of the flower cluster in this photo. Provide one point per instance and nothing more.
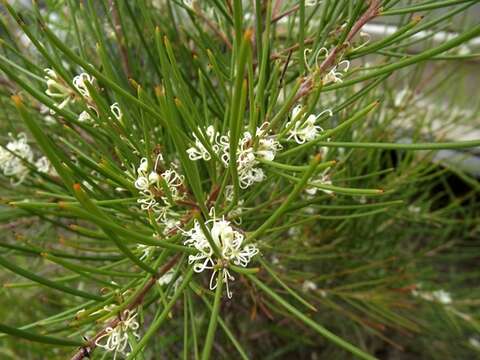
(59, 90)
(336, 72)
(250, 149)
(15, 156)
(167, 278)
(301, 130)
(440, 296)
(117, 337)
(323, 179)
(199, 151)
(159, 190)
(230, 244)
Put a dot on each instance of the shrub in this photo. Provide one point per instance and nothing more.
(238, 179)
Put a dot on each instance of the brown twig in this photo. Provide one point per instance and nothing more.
(372, 11)
(121, 40)
(286, 13)
(212, 27)
(276, 8)
(369, 14)
(290, 49)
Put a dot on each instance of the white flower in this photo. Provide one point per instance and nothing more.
(312, 2)
(46, 113)
(56, 89)
(268, 145)
(117, 337)
(43, 165)
(440, 296)
(188, 3)
(324, 179)
(401, 96)
(174, 182)
(294, 231)
(84, 117)
(167, 278)
(198, 151)
(229, 243)
(247, 161)
(143, 167)
(80, 81)
(336, 73)
(145, 249)
(247, 153)
(152, 188)
(474, 342)
(116, 111)
(308, 286)
(304, 131)
(12, 159)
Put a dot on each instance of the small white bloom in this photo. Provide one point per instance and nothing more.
(47, 116)
(303, 131)
(268, 145)
(188, 3)
(229, 243)
(116, 111)
(167, 278)
(324, 179)
(43, 165)
(402, 96)
(294, 231)
(337, 72)
(145, 249)
(57, 89)
(117, 338)
(13, 157)
(198, 151)
(151, 186)
(247, 152)
(474, 342)
(80, 81)
(308, 286)
(440, 296)
(84, 116)
(248, 173)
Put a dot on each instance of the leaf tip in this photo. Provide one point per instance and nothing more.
(248, 35)
(417, 18)
(17, 100)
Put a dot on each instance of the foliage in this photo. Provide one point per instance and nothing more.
(210, 179)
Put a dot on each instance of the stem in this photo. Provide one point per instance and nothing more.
(212, 326)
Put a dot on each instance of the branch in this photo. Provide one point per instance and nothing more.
(86, 350)
(372, 11)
